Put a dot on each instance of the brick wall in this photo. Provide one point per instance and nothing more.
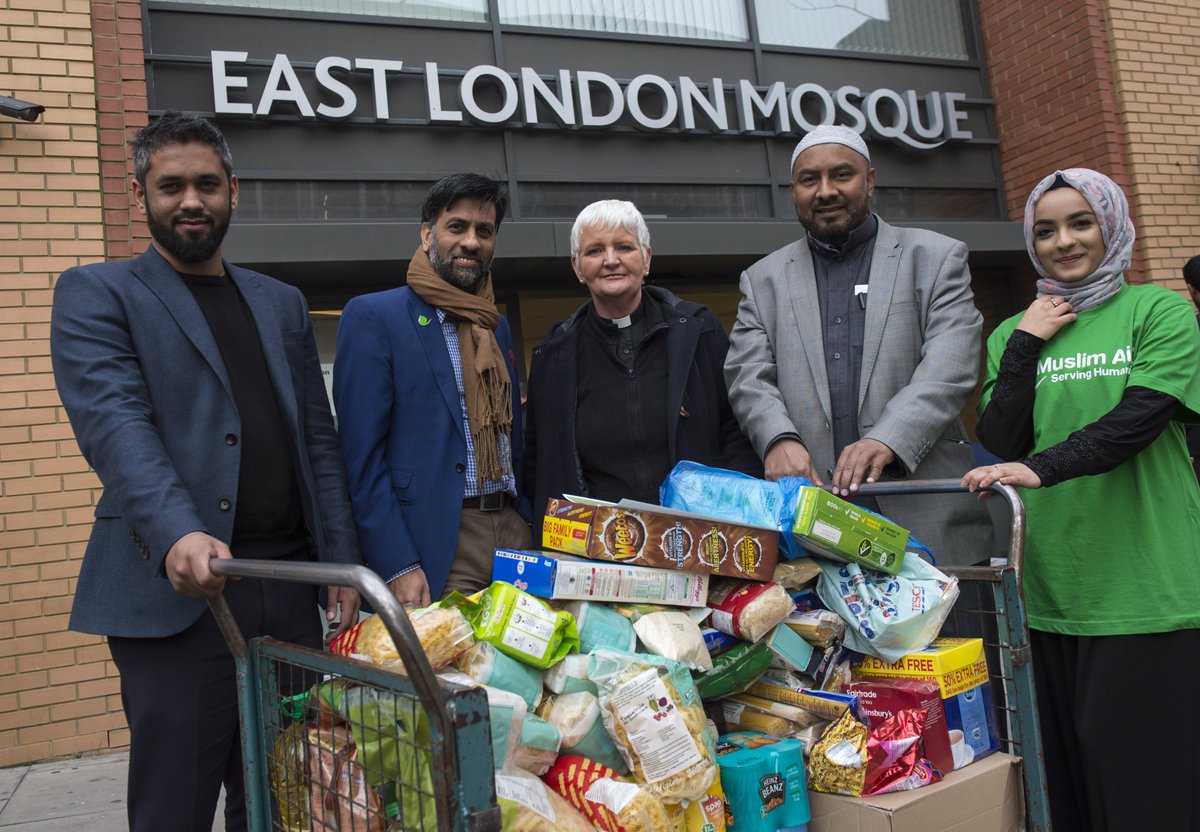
(58, 693)
(1156, 53)
(58, 690)
(1107, 85)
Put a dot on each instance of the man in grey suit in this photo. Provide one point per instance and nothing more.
(195, 392)
(856, 348)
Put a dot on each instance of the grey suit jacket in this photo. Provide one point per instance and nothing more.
(920, 362)
(145, 388)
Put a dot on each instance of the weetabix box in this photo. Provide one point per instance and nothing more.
(648, 535)
(830, 526)
(959, 667)
(564, 577)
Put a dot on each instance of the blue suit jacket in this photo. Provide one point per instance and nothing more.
(143, 383)
(400, 421)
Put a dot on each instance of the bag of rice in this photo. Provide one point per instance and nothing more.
(673, 635)
(654, 715)
(488, 666)
(569, 675)
(600, 626)
(577, 718)
(538, 747)
(506, 713)
(747, 609)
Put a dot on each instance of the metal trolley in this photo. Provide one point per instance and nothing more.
(325, 736)
(427, 744)
(992, 606)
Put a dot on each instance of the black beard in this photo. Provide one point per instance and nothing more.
(188, 249)
(467, 281)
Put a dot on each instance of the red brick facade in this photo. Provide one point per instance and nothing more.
(121, 103)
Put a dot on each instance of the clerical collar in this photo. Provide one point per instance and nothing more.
(635, 317)
(857, 237)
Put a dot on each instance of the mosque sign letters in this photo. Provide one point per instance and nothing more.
(337, 88)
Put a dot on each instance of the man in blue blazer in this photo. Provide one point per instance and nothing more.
(428, 407)
(195, 392)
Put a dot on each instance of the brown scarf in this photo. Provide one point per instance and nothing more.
(485, 375)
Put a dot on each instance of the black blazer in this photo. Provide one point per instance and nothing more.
(142, 380)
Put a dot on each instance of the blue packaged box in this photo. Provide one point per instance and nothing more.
(562, 577)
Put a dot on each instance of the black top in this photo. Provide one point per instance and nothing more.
(1006, 426)
(1193, 438)
(269, 519)
(843, 322)
(699, 424)
(621, 419)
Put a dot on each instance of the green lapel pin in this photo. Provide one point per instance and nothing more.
(422, 320)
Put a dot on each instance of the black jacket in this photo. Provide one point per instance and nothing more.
(696, 347)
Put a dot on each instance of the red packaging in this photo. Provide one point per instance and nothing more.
(894, 761)
(879, 699)
(345, 643)
(747, 609)
(571, 776)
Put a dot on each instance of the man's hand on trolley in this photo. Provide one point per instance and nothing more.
(186, 565)
(411, 588)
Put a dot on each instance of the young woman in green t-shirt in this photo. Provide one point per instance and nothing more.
(1086, 395)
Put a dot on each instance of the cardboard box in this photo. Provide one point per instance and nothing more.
(984, 797)
(830, 526)
(879, 699)
(649, 535)
(562, 577)
(959, 667)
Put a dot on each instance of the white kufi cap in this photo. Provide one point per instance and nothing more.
(832, 134)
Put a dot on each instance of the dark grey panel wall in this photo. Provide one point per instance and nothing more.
(285, 147)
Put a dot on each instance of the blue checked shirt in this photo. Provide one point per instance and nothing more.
(506, 483)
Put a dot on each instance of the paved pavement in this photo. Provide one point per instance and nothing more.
(87, 793)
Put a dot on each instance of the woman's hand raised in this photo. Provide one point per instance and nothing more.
(1046, 316)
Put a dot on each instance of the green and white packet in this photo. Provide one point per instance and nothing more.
(518, 624)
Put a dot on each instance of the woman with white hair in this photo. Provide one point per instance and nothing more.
(632, 382)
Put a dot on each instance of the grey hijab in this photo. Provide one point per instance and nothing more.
(1116, 229)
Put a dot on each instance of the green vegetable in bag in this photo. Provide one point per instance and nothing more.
(734, 670)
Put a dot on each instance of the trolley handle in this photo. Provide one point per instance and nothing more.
(369, 586)
(1016, 532)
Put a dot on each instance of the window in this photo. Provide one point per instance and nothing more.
(700, 19)
(564, 200)
(459, 11)
(917, 28)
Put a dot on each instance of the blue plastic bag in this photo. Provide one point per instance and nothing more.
(740, 498)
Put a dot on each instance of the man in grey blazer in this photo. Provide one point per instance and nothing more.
(195, 392)
(856, 348)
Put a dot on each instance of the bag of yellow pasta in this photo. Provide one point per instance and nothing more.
(529, 805)
(655, 718)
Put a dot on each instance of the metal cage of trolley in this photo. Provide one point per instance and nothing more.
(332, 743)
(991, 605)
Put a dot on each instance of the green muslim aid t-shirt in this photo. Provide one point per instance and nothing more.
(1115, 553)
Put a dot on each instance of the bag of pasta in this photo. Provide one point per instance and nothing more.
(607, 801)
(654, 715)
(528, 805)
(444, 634)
